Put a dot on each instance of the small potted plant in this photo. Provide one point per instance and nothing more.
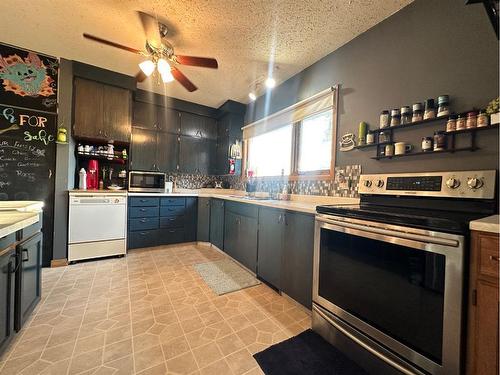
(493, 110)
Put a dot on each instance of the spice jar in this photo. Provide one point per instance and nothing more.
(460, 123)
(471, 121)
(384, 119)
(439, 140)
(451, 124)
(383, 137)
(426, 144)
(443, 105)
(418, 112)
(430, 111)
(370, 138)
(482, 119)
(395, 117)
(405, 115)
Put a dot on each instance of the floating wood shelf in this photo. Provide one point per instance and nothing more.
(450, 150)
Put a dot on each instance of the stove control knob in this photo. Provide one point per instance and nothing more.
(368, 183)
(475, 183)
(380, 183)
(452, 183)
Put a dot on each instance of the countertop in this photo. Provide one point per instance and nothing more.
(16, 215)
(487, 224)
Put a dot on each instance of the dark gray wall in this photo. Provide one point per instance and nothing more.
(65, 161)
(428, 48)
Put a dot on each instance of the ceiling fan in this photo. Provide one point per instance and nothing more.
(160, 54)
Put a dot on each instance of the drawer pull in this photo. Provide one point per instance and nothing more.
(143, 233)
(172, 219)
(494, 258)
(25, 251)
(142, 210)
(144, 200)
(143, 220)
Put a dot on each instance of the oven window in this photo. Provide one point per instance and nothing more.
(396, 289)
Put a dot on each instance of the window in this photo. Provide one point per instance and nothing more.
(270, 154)
(315, 143)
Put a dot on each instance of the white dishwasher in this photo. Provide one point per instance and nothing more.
(97, 225)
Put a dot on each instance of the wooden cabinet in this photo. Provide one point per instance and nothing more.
(483, 327)
(203, 225)
(101, 112)
(196, 155)
(7, 269)
(29, 278)
(150, 116)
(152, 150)
(271, 245)
(193, 125)
(217, 224)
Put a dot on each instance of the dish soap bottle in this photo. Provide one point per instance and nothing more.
(83, 179)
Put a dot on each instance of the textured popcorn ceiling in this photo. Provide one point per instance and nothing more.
(244, 35)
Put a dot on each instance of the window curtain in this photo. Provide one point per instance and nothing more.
(307, 107)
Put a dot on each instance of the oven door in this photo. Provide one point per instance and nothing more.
(153, 182)
(401, 287)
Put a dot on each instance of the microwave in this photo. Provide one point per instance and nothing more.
(146, 182)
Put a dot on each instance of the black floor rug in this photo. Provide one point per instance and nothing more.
(306, 354)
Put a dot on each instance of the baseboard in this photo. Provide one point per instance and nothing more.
(59, 262)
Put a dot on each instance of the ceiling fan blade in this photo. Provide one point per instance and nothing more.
(110, 43)
(140, 76)
(205, 62)
(151, 28)
(183, 80)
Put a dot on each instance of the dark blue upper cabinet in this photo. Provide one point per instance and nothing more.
(197, 126)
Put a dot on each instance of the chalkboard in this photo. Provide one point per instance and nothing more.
(28, 79)
(27, 162)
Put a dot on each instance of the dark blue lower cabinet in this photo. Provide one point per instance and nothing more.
(297, 265)
(271, 244)
(191, 219)
(7, 268)
(203, 220)
(142, 238)
(217, 210)
(240, 238)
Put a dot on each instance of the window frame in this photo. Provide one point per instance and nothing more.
(295, 175)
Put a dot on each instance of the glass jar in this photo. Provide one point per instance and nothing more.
(482, 119)
(405, 115)
(451, 124)
(439, 140)
(471, 121)
(383, 137)
(460, 123)
(384, 119)
(370, 138)
(443, 105)
(427, 144)
(430, 110)
(418, 112)
(395, 117)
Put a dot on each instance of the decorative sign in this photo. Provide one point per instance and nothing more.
(28, 79)
(27, 153)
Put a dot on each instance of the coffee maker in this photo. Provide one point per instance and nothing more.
(93, 175)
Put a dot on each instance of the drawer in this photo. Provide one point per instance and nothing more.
(173, 202)
(138, 212)
(488, 255)
(170, 236)
(172, 222)
(144, 201)
(143, 223)
(146, 238)
(172, 210)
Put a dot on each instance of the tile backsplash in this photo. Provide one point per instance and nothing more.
(345, 183)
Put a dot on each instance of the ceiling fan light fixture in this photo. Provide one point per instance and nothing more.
(147, 67)
(252, 96)
(270, 82)
(167, 77)
(163, 66)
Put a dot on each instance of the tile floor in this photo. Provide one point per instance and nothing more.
(149, 313)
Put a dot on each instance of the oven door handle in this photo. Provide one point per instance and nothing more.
(382, 233)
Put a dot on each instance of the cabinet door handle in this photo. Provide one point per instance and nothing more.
(144, 200)
(143, 233)
(18, 264)
(25, 251)
(143, 220)
(494, 258)
(142, 210)
(172, 219)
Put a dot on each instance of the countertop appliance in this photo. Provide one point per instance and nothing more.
(146, 182)
(97, 225)
(389, 273)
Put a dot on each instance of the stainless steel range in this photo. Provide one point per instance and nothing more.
(389, 273)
